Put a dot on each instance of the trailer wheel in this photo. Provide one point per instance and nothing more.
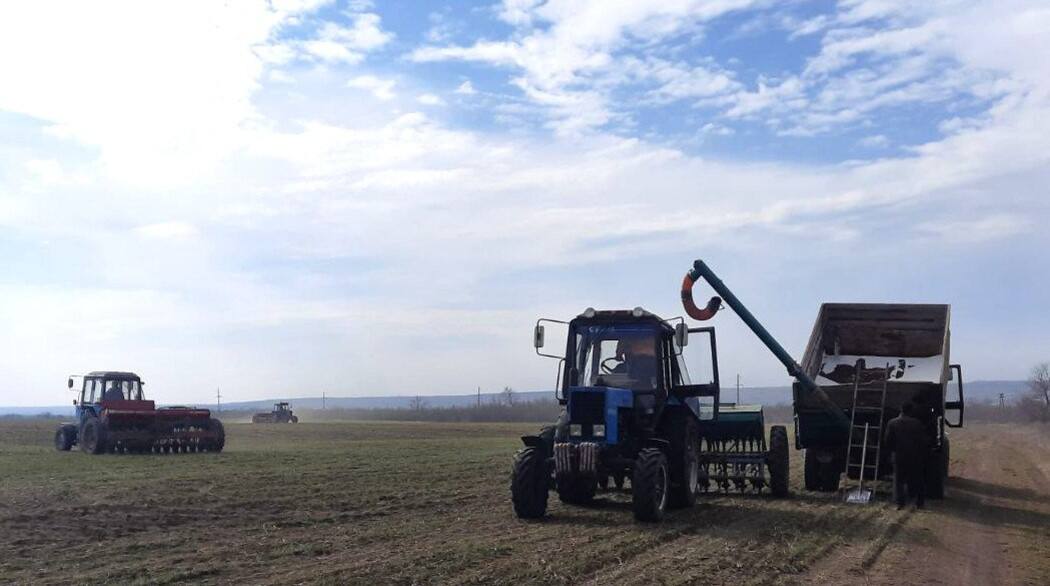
(649, 485)
(935, 478)
(685, 465)
(219, 442)
(812, 471)
(576, 489)
(93, 436)
(778, 461)
(64, 437)
(528, 483)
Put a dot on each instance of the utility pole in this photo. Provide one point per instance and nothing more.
(738, 388)
(218, 400)
(479, 397)
(322, 401)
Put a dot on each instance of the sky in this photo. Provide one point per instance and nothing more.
(292, 197)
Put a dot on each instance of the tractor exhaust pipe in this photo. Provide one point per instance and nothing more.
(700, 269)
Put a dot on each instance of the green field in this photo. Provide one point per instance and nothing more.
(379, 503)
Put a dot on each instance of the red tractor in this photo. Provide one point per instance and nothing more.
(114, 416)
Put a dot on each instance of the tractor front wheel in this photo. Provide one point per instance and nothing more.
(778, 461)
(93, 436)
(528, 483)
(64, 437)
(650, 485)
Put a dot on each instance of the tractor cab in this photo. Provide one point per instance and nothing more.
(622, 369)
(110, 390)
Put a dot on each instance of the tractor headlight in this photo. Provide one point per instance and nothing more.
(599, 430)
(575, 430)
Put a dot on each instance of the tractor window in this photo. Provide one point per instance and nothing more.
(88, 396)
(617, 356)
(114, 391)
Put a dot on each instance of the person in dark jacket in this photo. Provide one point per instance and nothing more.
(909, 442)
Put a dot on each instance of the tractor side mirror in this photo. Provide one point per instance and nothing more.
(537, 337)
(681, 335)
(69, 383)
(74, 402)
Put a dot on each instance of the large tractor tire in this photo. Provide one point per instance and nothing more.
(937, 474)
(220, 441)
(577, 489)
(65, 437)
(779, 457)
(650, 485)
(93, 436)
(294, 419)
(685, 461)
(812, 471)
(821, 476)
(528, 483)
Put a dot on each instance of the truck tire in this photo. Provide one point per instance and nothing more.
(778, 461)
(812, 471)
(685, 463)
(93, 436)
(936, 477)
(64, 436)
(650, 485)
(576, 489)
(220, 441)
(528, 483)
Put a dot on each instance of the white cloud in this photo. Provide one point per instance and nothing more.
(430, 100)
(382, 89)
(466, 89)
(875, 141)
(173, 230)
(978, 231)
(565, 52)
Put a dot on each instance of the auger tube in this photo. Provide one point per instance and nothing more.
(700, 269)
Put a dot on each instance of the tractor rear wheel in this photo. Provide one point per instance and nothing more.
(576, 489)
(64, 437)
(685, 462)
(778, 461)
(650, 484)
(528, 483)
(93, 436)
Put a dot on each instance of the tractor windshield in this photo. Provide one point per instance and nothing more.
(122, 390)
(622, 356)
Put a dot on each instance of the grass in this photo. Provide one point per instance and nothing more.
(373, 502)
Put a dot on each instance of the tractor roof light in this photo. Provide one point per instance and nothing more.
(589, 312)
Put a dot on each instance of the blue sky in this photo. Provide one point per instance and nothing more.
(366, 198)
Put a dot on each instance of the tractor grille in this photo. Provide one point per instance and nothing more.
(587, 408)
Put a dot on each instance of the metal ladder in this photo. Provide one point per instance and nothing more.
(865, 434)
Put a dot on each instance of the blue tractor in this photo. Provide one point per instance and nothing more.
(114, 416)
(632, 412)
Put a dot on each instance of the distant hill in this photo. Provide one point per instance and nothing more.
(976, 391)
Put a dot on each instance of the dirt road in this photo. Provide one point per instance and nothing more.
(994, 527)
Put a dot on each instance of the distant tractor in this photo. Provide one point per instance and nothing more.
(113, 416)
(632, 412)
(282, 413)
